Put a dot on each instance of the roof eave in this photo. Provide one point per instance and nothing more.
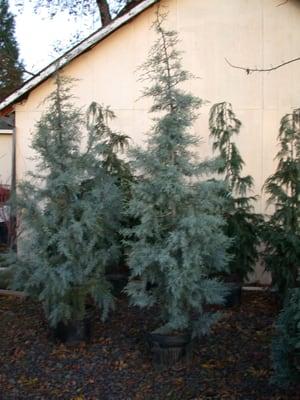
(76, 51)
(6, 131)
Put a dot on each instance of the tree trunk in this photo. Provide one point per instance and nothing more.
(104, 12)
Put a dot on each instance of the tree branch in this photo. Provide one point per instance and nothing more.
(20, 64)
(104, 12)
(249, 70)
(26, 71)
(282, 3)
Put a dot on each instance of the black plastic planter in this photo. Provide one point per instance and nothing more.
(73, 331)
(233, 298)
(169, 349)
(3, 234)
(118, 282)
(295, 357)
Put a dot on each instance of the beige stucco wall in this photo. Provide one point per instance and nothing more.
(5, 158)
(247, 32)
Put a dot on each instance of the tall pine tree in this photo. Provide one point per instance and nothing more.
(179, 240)
(11, 68)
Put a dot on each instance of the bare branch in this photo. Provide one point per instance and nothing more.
(249, 70)
(282, 3)
(26, 71)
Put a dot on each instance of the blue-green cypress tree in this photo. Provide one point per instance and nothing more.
(179, 240)
(70, 214)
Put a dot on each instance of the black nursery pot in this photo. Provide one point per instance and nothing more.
(169, 349)
(118, 282)
(233, 298)
(295, 360)
(74, 331)
(3, 234)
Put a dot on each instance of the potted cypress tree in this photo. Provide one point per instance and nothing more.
(179, 236)
(282, 233)
(70, 227)
(242, 223)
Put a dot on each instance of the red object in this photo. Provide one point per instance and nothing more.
(4, 194)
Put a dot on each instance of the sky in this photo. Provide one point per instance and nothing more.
(39, 37)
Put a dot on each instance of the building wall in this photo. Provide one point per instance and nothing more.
(246, 32)
(5, 159)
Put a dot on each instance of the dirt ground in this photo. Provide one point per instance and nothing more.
(232, 363)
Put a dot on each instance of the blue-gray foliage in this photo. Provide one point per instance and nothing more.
(179, 241)
(70, 211)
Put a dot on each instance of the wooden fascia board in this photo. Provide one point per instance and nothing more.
(6, 110)
(84, 46)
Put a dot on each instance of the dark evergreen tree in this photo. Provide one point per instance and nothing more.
(282, 253)
(11, 68)
(70, 227)
(179, 238)
(242, 224)
(282, 235)
(113, 144)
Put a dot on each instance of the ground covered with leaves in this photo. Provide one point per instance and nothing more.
(232, 363)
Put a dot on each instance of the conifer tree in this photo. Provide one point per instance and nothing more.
(70, 225)
(286, 342)
(179, 239)
(113, 144)
(282, 235)
(11, 70)
(242, 224)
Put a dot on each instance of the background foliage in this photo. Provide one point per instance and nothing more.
(11, 70)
